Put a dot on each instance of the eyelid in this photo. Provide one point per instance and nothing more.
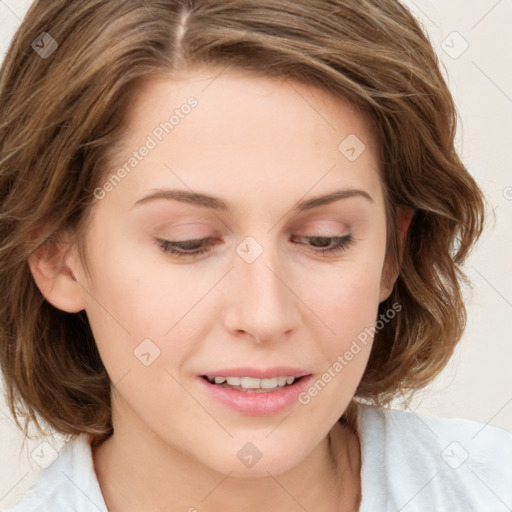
(320, 225)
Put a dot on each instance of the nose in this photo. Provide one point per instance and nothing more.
(260, 300)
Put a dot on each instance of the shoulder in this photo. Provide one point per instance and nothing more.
(69, 483)
(418, 462)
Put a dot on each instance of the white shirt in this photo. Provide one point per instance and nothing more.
(409, 463)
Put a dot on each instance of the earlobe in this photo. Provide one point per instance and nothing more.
(405, 215)
(391, 271)
(55, 279)
(388, 279)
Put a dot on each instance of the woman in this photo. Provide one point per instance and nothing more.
(233, 234)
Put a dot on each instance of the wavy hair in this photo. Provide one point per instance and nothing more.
(62, 116)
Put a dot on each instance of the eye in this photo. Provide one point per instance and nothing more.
(329, 244)
(186, 247)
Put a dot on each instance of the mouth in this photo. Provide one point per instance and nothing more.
(252, 384)
(253, 392)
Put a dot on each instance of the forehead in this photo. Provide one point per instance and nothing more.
(246, 135)
(227, 95)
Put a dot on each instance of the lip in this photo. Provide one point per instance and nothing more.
(267, 373)
(257, 404)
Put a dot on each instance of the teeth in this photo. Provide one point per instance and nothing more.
(252, 383)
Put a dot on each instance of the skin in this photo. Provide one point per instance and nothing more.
(261, 146)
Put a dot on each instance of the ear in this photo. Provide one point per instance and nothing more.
(390, 271)
(52, 268)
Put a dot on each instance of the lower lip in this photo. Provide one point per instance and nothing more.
(258, 404)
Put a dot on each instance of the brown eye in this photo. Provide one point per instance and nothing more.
(193, 247)
(329, 244)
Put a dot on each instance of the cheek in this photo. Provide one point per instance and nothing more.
(133, 284)
(352, 313)
(346, 299)
(140, 306)
(349, 307)
(349, 296)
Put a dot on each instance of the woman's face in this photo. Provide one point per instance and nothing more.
(262, 300)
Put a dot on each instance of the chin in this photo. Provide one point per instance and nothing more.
(246, 459)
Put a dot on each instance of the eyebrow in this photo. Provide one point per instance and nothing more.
(215, 203)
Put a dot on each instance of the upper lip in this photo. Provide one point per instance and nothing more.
(256, 373)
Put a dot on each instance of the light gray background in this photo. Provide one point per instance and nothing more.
(477, 384)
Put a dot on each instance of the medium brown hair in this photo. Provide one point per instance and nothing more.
(62, 116)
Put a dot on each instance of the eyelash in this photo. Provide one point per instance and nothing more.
(342, 243)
